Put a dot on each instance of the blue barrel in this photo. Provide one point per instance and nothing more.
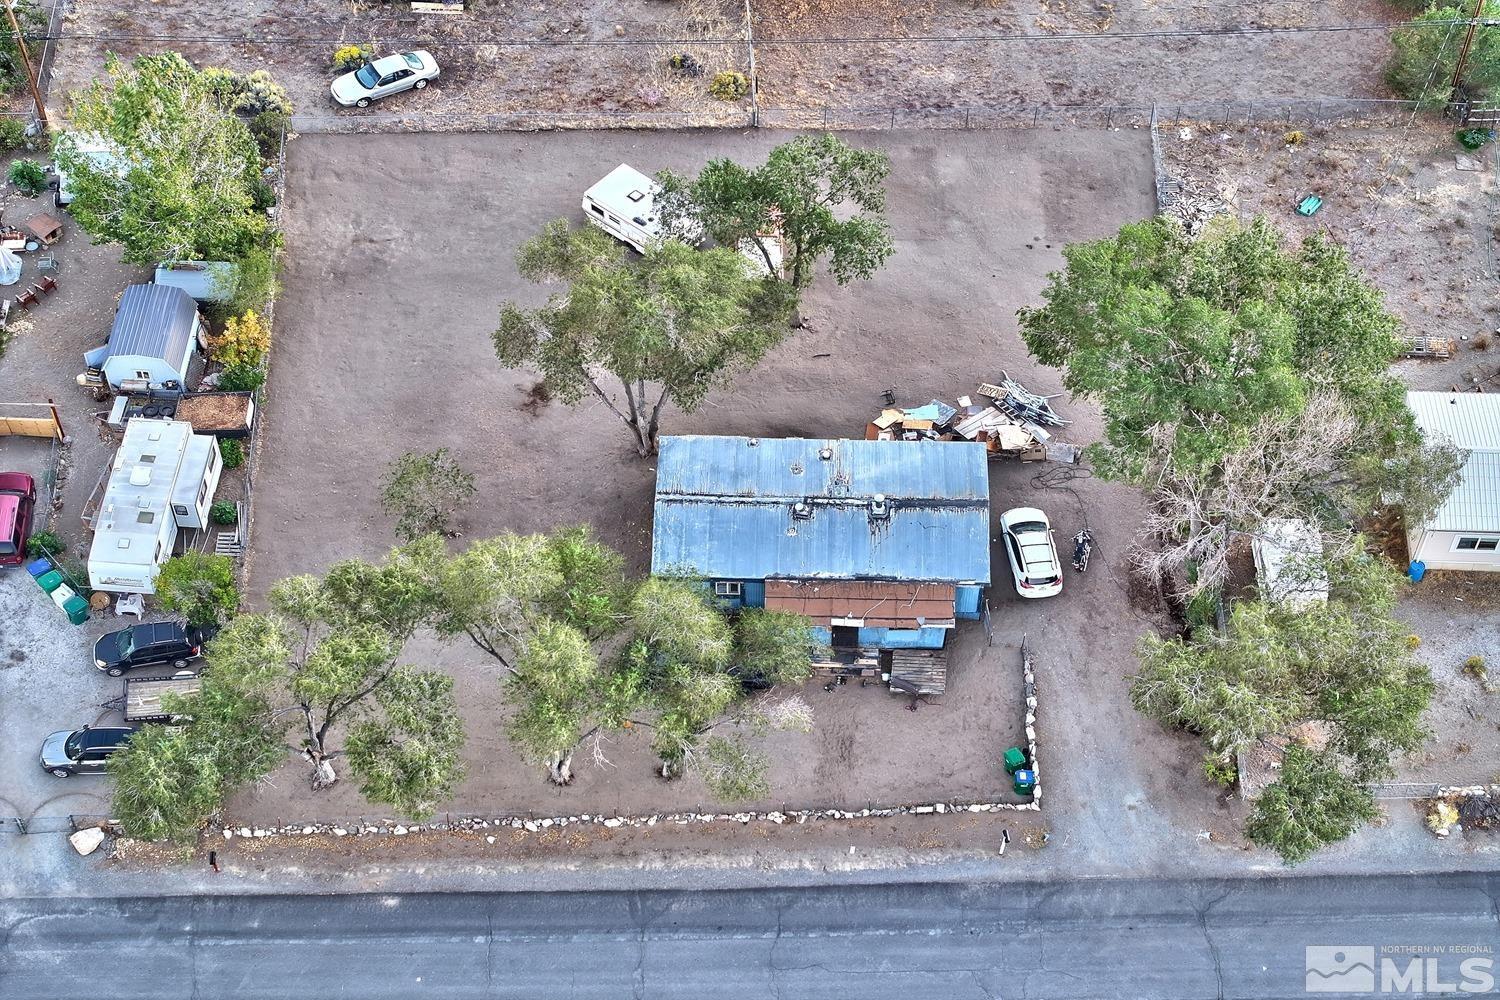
(1416, 571)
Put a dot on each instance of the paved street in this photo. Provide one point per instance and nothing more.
(1083, 939)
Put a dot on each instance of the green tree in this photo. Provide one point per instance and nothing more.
(200, 587)
(823, 197)
(538, 605)
(424, 491)
(1427, 50)
(1345, 663)
(671, 325)
(1209, 335)
(171, 780)
(681, 662)
(1311, 805)
(326, 657)
(179, 183)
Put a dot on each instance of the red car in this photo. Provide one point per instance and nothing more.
(17, 499)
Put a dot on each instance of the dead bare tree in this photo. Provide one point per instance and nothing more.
(1289, 467)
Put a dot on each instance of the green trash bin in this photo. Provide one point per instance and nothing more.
(50, 581)
(77, 609)
(1015, 759)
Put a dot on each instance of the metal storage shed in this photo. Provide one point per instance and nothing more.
(155, 330)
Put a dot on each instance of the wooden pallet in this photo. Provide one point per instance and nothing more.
(1439, 348)
(926, 670)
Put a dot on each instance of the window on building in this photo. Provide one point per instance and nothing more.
(1473, 543)
(728, 588)
(202, 493)
(145, 516)
(143, 376)
(148, 459)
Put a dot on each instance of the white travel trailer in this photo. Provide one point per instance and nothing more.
(95, 151)
(163, 478)
(623, 204)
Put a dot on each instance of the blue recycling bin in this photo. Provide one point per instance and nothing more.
(1025, 781)
(39, 568)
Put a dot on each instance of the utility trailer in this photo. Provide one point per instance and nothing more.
(144, 696)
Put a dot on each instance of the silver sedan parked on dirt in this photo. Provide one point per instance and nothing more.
(383, 77)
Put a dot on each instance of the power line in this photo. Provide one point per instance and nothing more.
(761, 41)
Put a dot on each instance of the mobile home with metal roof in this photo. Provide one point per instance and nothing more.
(1464, 534)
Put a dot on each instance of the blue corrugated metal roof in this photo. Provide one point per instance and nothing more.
(724, 509)
(153, 321)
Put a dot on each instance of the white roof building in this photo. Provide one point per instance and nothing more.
(1464, 533)
(163, 478)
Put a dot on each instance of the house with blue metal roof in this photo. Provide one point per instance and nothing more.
(883, 544)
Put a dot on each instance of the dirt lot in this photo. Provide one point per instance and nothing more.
(1424, 231)
(594, 56)
(375, 355)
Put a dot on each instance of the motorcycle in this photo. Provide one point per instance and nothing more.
(1083, 545)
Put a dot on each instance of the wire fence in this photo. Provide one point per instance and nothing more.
(17, 826)
(1290, 112)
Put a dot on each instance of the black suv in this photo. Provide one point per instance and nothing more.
(147, 645)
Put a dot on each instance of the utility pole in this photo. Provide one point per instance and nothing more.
(1463, 52)
(36, 93)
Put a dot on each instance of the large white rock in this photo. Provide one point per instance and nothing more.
(87, 841)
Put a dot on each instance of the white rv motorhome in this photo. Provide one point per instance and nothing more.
(623, 204)
(96, 151)
(163, 478)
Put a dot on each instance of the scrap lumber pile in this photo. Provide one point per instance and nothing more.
(1004, 416)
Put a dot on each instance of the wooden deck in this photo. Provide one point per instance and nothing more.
(925, 670)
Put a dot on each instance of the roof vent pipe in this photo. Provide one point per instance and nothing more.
(878, 506)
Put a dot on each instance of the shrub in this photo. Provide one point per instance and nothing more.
(262, 195)
(233, 453)
(29, 176)
(254, 282)
(12, 134)
(242, 378)
(1413, 641)
(200, 587)
(248, 93)
(43, 542)
(729, 85)
(348, 57)
(1220, 769)
(267, 128)
(1474, 138)
(245, 341)
(223, 512)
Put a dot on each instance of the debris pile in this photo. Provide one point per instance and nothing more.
(1004, 416)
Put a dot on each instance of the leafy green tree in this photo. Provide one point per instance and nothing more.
(824, 197)
(1427, 50)
(409, 755)
(538, 605)
(772, 645)
(1311, 805)
(180, 181)
(170, 781)
(424, 491)
(1346, 663)
(671, 325)
(681, 661)
(1209, 335)
(200, 587)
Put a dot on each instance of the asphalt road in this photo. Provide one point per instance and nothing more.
(1081, 939)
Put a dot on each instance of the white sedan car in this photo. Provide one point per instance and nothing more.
(383, 77)
(1033, 556)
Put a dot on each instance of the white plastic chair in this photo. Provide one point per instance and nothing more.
(131, 604)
